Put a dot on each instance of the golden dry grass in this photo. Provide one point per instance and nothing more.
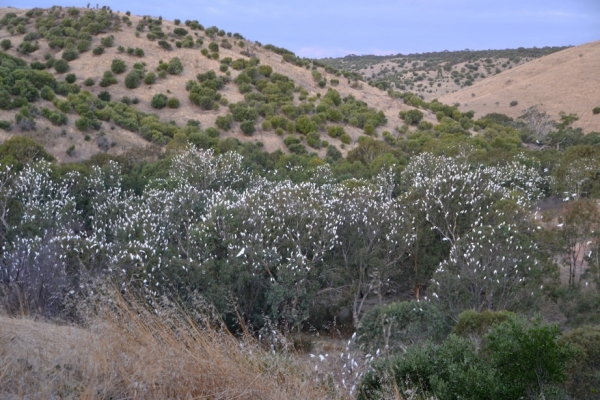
(564, 81)
(130, 352)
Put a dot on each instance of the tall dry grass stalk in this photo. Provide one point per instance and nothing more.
(128, 350)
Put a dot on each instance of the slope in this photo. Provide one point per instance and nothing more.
(567, 81)
(135, 32)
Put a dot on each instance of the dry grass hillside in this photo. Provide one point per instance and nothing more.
(88, 65)
(566, 81)
(129, 351)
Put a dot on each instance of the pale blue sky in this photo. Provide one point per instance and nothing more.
(336, 28)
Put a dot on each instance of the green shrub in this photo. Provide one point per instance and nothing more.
(5, 125)
(83, 46)
(139, 52)
(175, 67)
(159, 101)
(118, 66)
(55, 117)
(398, 325)
(132, 80)
(165, 45)
(596, 110)
(413, 116)
(38, 65)
(345, 138)
(5, 44)
(333, 153)
(224, 122)
(108, 79)
(70, 54)
(70, 78)
(150, 78)
(335, 131)
(180, 31)
(47, 93)
(70, 150)
(248, 127)
(213, 47)
(513, 103)
(98, 50)
(212, 132)
(313, 140)
(104, 95)
(61, 66)
(108, 41)
(583, 381)
(173, 102)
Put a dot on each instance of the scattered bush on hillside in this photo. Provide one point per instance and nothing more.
(118, 66)
(159, 101)
(61, 66)
(173, 103)
(70, 54)
(108, 79)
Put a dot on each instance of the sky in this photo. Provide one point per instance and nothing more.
(335, 28)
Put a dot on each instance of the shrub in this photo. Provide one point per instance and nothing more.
(248, 127)
(175, 67)
(70, 78)
(313, 140)
(70, 54)
(108, 79)
(38, 65)
(55, 117)
(180, 31)
(173, 102)
(335, 131)
(159, 101)
(83, 123)
(61, 66)
(139, 52)
(513, 103)
(584, 371)
(213, 46)
(83, 46)
(177, 21)
(108, 41)
(224, 122)
(104, 95)
(5, 44)
(47, 93)
(223, 67)
(213, 132)
(132, 80)
(596, 110)
(118, 66)
(345, 138)
(5, 125)
(333, 152)
(413, 116)
(70, 150)
(150, 78)
(165, 45)
(98, 50)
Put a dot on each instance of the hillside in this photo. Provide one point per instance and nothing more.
(131, 33)
(566, 81)
(436, 74)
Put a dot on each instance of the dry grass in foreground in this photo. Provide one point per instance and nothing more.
(129, 351)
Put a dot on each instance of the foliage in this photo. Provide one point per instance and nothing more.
(159, 101)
